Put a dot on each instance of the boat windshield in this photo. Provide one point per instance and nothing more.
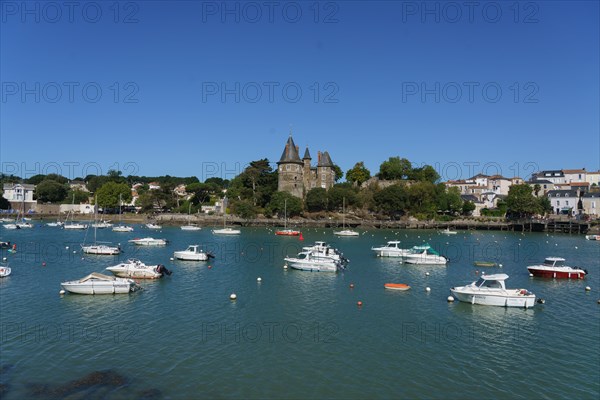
(488, 284)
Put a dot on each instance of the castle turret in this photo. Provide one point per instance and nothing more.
(290, 170)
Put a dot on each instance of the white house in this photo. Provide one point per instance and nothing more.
(574, 175)
(564, 201)
(554, 176)
(20, 195)
(593, 178)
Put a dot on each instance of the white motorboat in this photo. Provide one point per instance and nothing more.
(447, 231)
(148, 241)
(310, 261)
(345, 232)
(96, 283)
(153, 226)
(191, 227)
(54, 224)
(10, 226)
(101, 249)
(489, 290)
(75, 225)
(4, 270)
(592, 237)
(390, 249)
(192, 253)
(122, 228)
(323, 250)
(134, 268)
(226, 231)
(424, 255)
(554, 267)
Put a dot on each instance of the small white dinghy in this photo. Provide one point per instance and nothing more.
(148, 241)
(4, 270)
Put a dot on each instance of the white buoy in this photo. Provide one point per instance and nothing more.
(74, 251)
(284, 266)
(576, 247)
(259, 279)
(67, 247)
(587, 288)
(428, 289)
(3, 258)
(62, 291)
(450, 299)
(172, 259)
(530, 274)
(426, 273)
(500, 265)
(232, 296)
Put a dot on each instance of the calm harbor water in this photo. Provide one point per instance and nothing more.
(297, 334)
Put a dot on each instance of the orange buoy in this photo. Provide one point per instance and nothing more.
(396, 286)
(301, 237)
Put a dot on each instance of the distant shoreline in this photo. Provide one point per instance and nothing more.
(550, 225)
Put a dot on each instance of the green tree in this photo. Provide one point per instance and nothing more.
(338, 173)
(4, 204)
(395, 168)
(201, 192)
(448, 200)
(51, 191)
(520, 202)
(536, 189)
(257, 183)
(278, 204)
(468, 207)
(421, 197)
(358, 174)
(79, 195)
(36, 179)
(545, 205)
(393, 200)
(108, 194)
(244, 209)
(316, 199)
(425, 174)
(218, 182)
(336, 195)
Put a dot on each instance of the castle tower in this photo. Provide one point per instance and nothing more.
(306, 171)
(290, 169)
(325, 172)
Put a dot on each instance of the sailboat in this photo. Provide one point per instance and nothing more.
(344, 231)
(190, 227)
(286, 231)
(99, 249)
(73, 224)
(121, 227)
(225, 230)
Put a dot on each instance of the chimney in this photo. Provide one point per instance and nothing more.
(297, 150)
(319, 157)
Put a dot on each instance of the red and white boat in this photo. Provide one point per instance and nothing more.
(554, 267)
(287, 232)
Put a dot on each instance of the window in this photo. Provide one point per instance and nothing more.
(558, 202)
(593, 204)
(287, 167)
(567, 202)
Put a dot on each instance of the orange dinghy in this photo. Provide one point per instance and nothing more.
(396, 286)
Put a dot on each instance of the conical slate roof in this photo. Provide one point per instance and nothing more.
(325, 160)
(306, 155)
(290, 153)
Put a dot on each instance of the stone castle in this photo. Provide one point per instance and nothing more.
(297, 176)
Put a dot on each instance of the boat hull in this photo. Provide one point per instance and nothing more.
(499, 300)
(97, 288)
(5, 271)
(396, 286)
(287, 233)
(346, 233)
(101, 250)
(547, 273)
(184, 256)
(134, 273)
(312, 265)
(381, 252)
(227, 231)
(426, 260)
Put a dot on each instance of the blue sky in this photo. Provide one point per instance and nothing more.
(202, 88)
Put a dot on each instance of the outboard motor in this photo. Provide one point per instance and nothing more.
(161, 269)
(210, 255)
